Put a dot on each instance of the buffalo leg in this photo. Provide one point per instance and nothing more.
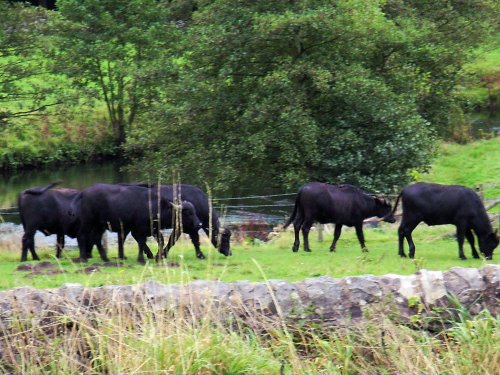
(306, 227)
(59, 245)
(195, 239)
(28, 243)
(174, 236)
(470, 238)
(143, 247)
(121, 240)
(82, 245)
(361, 237)
(297, 224)
(460, 239)
(404, 231)
(97, 240)
(401, 243)
(336, 236)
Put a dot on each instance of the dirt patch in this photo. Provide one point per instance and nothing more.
(168, 264)
(112, 264)
(24, 267)
(91, 269)
(47, 272)
(96, 267)
(78, 260)
(43, 268)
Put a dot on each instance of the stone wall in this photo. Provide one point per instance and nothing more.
(323, 299)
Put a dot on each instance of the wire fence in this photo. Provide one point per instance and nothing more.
(244, 215)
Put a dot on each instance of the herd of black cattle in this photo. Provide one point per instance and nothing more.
(144, 210)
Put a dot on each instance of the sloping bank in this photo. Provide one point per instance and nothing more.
(325, 300)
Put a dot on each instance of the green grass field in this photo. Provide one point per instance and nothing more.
(475, 163)
(436, 250)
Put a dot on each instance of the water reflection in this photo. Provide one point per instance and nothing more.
(258, 207)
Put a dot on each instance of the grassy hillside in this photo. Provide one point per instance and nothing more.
(469, 165)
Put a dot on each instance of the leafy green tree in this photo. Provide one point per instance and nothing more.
(440, 38)
(292, 91)
(21, 31)
(114, 50)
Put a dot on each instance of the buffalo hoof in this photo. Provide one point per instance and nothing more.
(333, 250)
(489, 258)
(463, 258)
(141, 261)
(200, 256)
(307, 250)
(364, 250)
(402, 255)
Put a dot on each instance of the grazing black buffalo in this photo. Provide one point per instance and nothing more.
(339, 204)
(128, 209)
(436, 204)
(47, 210)
(220, 237)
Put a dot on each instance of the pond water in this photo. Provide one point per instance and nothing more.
(485, 123)
(250, 206)
(251, 213)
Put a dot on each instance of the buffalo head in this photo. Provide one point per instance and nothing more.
(488, 244)
(190, 219)
(224, 245)
(384, 209)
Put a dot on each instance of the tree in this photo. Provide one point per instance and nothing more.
(21, 62)
(113, 50)
(336, 90)
(440, 38)
(292, 91)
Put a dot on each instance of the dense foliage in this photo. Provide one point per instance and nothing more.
(336, 90)
(18, 66)
(344, 91)
(112, 49)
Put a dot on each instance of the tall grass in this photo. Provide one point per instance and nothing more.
(118, 339)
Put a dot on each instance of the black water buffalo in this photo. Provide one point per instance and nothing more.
(436, 204)
(339, 204)
(219, 238)
(47, 210)
(127, 209)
